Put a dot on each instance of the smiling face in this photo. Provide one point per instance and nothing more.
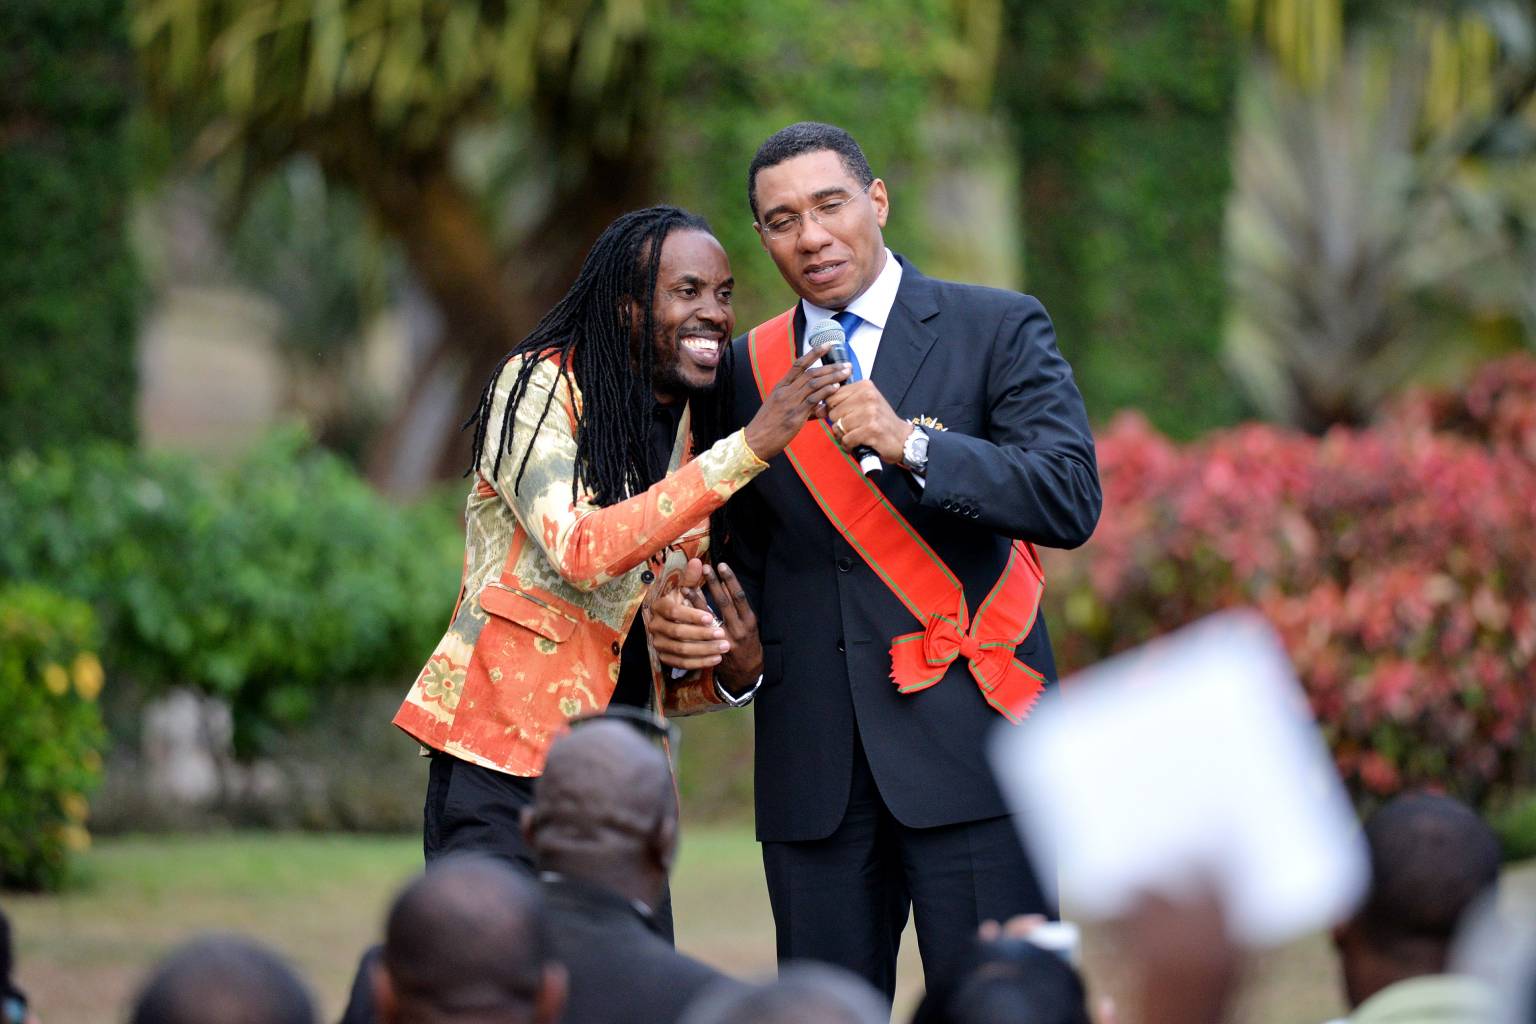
(692, 312)
(833, 263)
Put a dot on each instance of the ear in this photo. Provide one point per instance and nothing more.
(385, 1005)
(550, 1004)
(881, 199)
(664, 843)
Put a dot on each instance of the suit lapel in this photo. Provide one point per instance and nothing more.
(909, 334)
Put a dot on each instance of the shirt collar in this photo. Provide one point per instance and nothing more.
(874, 305)
(1427, 998)
(602, 894)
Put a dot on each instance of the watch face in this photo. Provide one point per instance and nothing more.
(915, 451)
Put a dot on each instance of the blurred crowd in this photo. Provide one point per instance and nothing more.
(474, 938)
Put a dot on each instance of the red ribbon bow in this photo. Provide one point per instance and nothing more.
(918, 660)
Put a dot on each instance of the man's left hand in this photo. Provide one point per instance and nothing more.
(860, 415)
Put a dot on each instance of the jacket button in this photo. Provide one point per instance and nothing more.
(966, 510)
(614, 647)
(840, 648)
(845, 564)
(975, 513)
(647, 577)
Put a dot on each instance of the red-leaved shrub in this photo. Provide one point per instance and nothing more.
(1398, 563)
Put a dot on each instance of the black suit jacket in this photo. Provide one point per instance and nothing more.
(1015, 460)
(621, 970)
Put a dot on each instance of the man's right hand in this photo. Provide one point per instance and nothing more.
(683, 634)
(793, 400)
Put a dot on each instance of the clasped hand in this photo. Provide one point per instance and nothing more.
(687, 635)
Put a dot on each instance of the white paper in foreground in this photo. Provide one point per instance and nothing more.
(1195, 754)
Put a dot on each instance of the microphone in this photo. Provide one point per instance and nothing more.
(831, 330)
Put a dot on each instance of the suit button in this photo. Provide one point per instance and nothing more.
(647, 577)
(614, 647)
(840, 648)
(947, 505)
(845, 564)
(975, 513)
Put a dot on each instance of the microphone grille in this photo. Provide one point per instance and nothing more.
(825, 331)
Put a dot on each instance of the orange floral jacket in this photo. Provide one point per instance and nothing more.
(551, 586)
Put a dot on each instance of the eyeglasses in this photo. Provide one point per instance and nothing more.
(787, 224)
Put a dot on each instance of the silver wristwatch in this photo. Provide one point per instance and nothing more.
(914, 453)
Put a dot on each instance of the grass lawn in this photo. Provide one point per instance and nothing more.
(321, 898)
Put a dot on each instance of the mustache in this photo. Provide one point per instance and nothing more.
(702, 331)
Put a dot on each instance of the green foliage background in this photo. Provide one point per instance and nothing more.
(51, 758)
(729, 74)
(67, 284)
(1121, 112)
(268, 584)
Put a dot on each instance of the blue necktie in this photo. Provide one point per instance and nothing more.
(849, 322)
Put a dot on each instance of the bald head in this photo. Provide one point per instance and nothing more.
(223, 979)
(604, 810)
(466, 940)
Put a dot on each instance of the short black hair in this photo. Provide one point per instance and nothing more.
(807, 137)
(468, 934)
(1007, 979)
(804, 993)
(223, 978)
(1432, 858)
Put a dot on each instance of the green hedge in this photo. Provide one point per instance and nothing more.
(264, 584)
(50, 760)
(67, 284)
(1121, 113)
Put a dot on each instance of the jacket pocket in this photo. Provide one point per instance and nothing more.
(527, 611)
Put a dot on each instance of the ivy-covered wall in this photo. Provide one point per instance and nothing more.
(1122, 110)
(67, 286)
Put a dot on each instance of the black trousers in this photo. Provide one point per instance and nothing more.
(844, 899)
(470, 808)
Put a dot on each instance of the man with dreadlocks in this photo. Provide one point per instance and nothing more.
(587, 500)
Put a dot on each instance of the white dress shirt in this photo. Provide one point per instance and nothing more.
(873, 307)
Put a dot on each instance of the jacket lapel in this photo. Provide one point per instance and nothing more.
(909, 334)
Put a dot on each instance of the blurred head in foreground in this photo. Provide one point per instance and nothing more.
(466, 942)
(605, 811)
(1008, 979)
(805, 993)
(223, 979)
(1432, 860)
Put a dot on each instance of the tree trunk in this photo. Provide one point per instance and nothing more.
(487, 301)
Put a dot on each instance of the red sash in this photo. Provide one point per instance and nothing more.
(913, 571)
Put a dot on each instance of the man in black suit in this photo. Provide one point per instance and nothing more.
(873, 799)
(603, 831)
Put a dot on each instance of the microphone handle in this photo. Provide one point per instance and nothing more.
(869, 462)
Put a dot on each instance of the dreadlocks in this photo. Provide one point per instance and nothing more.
(591, 334)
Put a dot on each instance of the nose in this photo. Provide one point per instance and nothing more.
(713, 312)
(813, 236)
